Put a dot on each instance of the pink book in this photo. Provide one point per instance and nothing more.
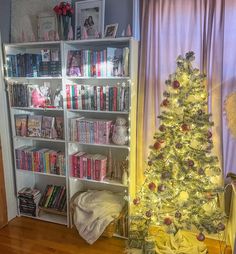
(82, 164)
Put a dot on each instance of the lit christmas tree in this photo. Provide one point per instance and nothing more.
(178, 192)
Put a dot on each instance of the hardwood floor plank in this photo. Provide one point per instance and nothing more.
(29, 236)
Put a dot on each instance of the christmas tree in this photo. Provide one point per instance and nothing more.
(179, 191)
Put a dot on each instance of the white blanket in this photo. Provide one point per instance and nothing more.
(94, 210)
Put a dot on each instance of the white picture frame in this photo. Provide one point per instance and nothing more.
(110, 31)
(89, 19)
(47, 26)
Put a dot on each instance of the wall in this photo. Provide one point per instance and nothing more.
(5, 16)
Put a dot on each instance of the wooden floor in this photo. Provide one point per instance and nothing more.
(28, 236)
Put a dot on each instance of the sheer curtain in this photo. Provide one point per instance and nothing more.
(173, 27)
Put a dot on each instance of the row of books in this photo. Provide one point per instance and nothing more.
(34, 65)
(39, 126)
(40, 160)
(104, 98)
(28, 201)
(88, 166)
(54, 197)
(93, 131)
(108, 62)
(33, 95)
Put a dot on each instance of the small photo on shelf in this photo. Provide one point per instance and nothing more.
(110, 31)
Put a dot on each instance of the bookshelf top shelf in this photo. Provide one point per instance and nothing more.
(72, 42)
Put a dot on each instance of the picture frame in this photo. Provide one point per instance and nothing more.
(89, 19)
(110, 30)
(47, 27)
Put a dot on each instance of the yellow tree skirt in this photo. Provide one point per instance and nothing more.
(182, 243)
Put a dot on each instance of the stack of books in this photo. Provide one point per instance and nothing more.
(40, 160)
(90, 131)
(39, 126)
(54, 198)
(107, 62)
(88, 166)
(28, 201)
(101, 98)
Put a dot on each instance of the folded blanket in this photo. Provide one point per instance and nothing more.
(94, 211)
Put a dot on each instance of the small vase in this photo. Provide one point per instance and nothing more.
(64, 23)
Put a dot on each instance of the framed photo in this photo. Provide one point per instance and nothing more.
(47, 27)
(111, 30)
(89, 19)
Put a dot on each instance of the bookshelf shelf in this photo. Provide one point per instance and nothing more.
(52, 211)
(113, 88)
(38, 109)
(54, 218)
(40, 139)
(39, 173)
(32, 78)
(99, 111)
(100, 145)
(98, 78)
(105, 181)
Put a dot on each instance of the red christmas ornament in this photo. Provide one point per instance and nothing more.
(152, 186)
(165, 103)
(149, 214)
(162, 128)
(167, 221)
(221, 227)
(157, 145)
(161, 187)
(136, 201)
(185, 127)
(201, 237)
(176, 84)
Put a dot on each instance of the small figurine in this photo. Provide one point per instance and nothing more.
(120, 132)
(58, 99)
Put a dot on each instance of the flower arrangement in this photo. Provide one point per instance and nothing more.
(64, 8)
(64, 12)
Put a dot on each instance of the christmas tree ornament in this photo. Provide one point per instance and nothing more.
(157, 145)
(200, 112)
(178, 145)
(149, 163)
(201, 237)
(178, 215)
(136, 201)
(152, 186)
(201, 171)
(190, 163)
(167, 221)
(162, 128)
(221, 227)
(176, 84)
(149, 214)
(161, 187)
(165, 103)
(185, 127)
(209, 134)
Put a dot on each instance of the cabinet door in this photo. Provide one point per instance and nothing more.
(3, 205)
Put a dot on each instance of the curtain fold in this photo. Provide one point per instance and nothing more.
(173, 27)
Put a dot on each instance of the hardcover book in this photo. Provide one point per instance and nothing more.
(21, 125)
(34, 125)
(47, 129)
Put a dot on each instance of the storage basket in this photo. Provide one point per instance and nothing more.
(110, 229)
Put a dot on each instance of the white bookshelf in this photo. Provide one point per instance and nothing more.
(74, 184)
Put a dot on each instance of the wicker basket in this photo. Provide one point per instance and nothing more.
(110, 229)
